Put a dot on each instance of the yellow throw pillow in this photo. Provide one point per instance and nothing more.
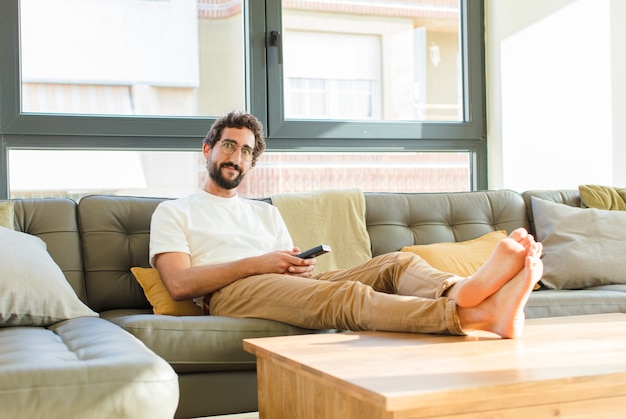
(461, 258)
(7, 215)
(602, 197)
(159, 297)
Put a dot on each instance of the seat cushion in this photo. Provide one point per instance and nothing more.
(82, 368)
(199, 343)
(555, 303)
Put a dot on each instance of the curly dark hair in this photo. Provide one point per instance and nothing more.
(237, 119)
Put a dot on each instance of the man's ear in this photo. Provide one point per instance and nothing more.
(253, 163)
(206, 150)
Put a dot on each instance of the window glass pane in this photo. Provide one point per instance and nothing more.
(148, 57)
(75, 173)
(383, 60)
(372, 172)
(46, 173)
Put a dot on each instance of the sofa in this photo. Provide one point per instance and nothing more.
(135, 363)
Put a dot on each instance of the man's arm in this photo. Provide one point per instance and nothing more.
(185, 282)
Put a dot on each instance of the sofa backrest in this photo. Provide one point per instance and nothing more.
(115, 235)
(395, 220)
(98, 240)
(54, 221)
(115, 232)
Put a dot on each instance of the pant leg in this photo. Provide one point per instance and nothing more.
(401, 273)
(318, 304)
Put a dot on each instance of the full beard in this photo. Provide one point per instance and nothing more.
(215, 173)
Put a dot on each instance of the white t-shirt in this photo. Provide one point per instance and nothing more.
(212, 229)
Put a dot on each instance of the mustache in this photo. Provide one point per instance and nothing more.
(231, 164)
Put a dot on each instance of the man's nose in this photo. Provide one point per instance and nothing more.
(237, 154)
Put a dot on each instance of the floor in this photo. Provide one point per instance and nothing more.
(251, 415)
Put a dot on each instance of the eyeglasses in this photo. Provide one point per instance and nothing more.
(229, 147)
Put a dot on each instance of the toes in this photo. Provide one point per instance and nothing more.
(518, 234)
(528, 242)
(535, 250)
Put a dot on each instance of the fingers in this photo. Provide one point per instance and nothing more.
(306, 270)
(301, 267)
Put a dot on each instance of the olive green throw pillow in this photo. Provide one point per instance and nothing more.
(7, 215)
(582, 247)
(603, 197)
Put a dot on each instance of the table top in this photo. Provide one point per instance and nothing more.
(560, 357)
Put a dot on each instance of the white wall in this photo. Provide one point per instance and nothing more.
(555, 94)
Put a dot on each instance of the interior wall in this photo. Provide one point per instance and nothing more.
(618, 62)
(554, 94)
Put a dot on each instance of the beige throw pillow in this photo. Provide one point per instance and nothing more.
(7, 215)
(582, 247)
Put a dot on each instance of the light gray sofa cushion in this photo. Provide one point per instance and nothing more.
(82, 368)
(556, 303)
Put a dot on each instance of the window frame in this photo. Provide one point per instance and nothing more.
(473, 101)
(264, 92)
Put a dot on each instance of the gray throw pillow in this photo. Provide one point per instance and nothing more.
(582, 247)
(33, 289)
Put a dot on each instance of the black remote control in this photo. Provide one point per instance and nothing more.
(314, 252)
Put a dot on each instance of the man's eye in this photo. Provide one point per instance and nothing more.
(229, 146)
(246, 151)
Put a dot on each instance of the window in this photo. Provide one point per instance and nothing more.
(382, 95)
(406, 53)
(175, 57)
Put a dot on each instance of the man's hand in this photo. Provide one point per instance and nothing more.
(286, 262)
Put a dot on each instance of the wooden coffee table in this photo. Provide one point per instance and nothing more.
(560, 367)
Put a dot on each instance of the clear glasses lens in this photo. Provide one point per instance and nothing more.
(229, 148)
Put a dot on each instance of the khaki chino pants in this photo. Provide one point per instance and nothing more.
(396, 292)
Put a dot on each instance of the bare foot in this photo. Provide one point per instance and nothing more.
(503, 312)
(504, 263)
